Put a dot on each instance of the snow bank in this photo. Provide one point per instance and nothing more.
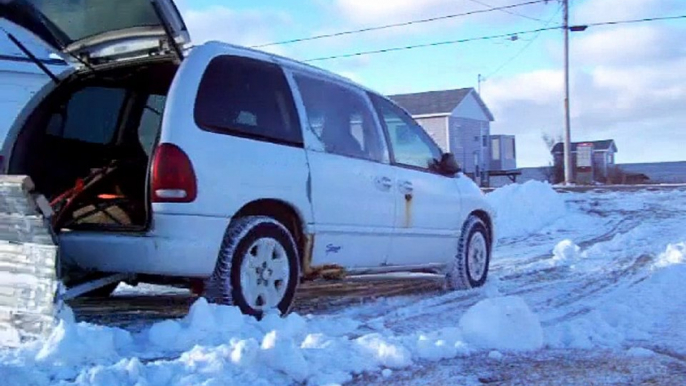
(525, 208)
(218, 345)
(641, 311)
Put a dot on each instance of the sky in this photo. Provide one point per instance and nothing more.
(628, 82)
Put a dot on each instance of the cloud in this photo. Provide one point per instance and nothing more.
(389, 11)
(628, 83)
(603, 10)
(245, 27)
(635, 105)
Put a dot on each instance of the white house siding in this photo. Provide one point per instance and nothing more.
(20, 78)
(437, 129)
(463, 142)
(470, 108)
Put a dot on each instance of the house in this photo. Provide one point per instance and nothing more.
(592, 161)
(20, 78)
(459, 121)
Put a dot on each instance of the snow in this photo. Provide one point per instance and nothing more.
(573, 272)
(525, 208)
(218, 342)
(504, 323)
(640, 352)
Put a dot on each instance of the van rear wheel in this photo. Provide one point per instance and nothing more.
(257, 268)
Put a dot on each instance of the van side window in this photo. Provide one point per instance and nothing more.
(342, 120)
(91, 115)
(410, 144)
(248, 98)
(151, 122)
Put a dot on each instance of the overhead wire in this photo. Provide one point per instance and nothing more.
(524, 48)
(491, 37)
(402, 24)
(506, 11)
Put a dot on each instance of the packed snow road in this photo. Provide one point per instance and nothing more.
(585, 288)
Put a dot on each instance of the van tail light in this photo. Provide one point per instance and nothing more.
(173, 177)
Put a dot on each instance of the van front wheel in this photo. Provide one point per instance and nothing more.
(257, 268)
(469, 268)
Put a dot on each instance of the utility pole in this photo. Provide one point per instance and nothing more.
(568, 135)
(478, 89)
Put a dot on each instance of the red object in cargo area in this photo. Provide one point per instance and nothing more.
(173, 178)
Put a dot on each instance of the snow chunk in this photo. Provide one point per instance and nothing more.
(496, 355)
(385, 352)
(504, 323)
(526, 208)
(640, 352)
(675, 254)
(566, 250)
(386, 373)
(281, 353)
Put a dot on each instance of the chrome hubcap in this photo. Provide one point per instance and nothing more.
(264, 274)
(477, 256)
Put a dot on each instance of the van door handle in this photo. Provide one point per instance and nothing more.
(405, 187)
(383, 183)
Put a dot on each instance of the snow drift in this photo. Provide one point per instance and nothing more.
(523, 209)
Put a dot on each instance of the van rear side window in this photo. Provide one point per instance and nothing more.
(247, 98)
(91, 115)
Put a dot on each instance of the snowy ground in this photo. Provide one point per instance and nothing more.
(585, 288)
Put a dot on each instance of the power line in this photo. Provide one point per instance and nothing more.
(523, 49)
(491, 37)
(507, 11)
(403, 24)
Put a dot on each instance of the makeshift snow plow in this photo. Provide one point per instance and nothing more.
(28, 262)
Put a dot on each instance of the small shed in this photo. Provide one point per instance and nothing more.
(602, 159)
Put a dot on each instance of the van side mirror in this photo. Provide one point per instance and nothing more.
(448, 164)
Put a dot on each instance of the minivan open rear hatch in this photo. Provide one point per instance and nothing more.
(102, 31)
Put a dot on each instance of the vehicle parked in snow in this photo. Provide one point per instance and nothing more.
(224, 165)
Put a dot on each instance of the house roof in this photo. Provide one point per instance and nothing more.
(603, 145)
(437, 102)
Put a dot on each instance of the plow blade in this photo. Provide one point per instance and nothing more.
(28, 263)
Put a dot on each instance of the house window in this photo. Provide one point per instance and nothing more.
(509, 149)
(484, 141)
(610, 158)
(476, 138)
(495, 149)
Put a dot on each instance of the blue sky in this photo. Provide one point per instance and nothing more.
(628, 82)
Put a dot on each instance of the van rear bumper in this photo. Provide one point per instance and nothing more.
(177, 245)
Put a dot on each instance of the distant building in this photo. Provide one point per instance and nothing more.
(592, 161)
(503, 153)
(459, 121)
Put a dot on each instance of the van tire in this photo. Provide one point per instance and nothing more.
(241, 241)
(474, 246)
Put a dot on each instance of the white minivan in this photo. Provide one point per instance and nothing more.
(221, 165)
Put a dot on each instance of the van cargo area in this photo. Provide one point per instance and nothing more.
(88, 145)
